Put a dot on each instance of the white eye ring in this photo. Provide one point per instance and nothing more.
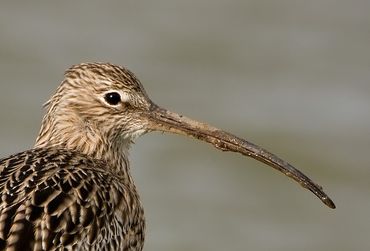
(115, 98)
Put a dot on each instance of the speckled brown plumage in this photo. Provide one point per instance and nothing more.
(74, 190)
(58, 198)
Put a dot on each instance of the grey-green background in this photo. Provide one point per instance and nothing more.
(292, 76)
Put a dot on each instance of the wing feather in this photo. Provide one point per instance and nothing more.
(52, 199)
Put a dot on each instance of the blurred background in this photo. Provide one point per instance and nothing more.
(291, 76)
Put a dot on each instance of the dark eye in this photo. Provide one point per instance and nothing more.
(112, 98)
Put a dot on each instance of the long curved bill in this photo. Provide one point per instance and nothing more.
(160, 119)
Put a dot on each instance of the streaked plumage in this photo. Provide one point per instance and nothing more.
(74, 190)
(57, 198)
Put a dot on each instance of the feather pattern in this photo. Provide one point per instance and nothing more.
(53, 199)
(74, 190)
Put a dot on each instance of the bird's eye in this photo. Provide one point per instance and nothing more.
(112, 98)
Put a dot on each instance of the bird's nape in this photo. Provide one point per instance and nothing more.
(163, 120)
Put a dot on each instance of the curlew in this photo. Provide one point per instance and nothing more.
(73, 190)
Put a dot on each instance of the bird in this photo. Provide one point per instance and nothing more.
(73, 190)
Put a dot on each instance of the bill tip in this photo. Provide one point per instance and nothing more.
(329, 202)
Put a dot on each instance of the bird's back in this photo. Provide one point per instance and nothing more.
(53, 199)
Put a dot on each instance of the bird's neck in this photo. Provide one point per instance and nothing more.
(75, 134)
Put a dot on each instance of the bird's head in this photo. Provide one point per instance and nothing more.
(100, 108)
